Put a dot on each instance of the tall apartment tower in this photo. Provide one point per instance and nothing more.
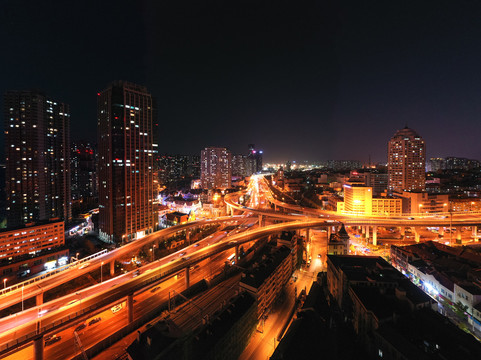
(83, 171)
(37, 149)
(406, 161)
(254, 160)
(127, 149)
(216, 170)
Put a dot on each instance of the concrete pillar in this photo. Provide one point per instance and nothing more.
(260, 220)
(474, 229)
(112, 268)
(275, 207)
(441, 231)
(38, 344)
(187, 277)
(417, 236)
(187, 236)
(374, 235)
(308, 234)
(130, 308)
(458, 235)
(367, 232)
(39, 299)
(236, 254)
(363, 230)
(402, 230)
(328, 233)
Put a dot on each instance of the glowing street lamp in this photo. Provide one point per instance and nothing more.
(5, 283)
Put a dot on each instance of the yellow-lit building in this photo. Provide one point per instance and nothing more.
(357, 198)
(386, 206)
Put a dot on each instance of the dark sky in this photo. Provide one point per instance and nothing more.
(303, 80)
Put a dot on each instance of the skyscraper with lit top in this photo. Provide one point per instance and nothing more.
(406, 161)
(127, 147)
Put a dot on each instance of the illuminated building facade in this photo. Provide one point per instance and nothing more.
(216, 170)
(357, 198)
(84, 174)
(406, 161)
(31, 239)
(37, 158)
(127, 146)
(254, 160)
(239, 165)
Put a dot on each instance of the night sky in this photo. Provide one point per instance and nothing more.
(303, 80)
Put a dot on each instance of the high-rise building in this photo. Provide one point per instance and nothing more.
(83, 169)
(127, 147)
(216, 171)
(254, 160)
(406, 161)
(37, 158)
(239, 165)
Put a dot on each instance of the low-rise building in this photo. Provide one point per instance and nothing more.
(266, 278)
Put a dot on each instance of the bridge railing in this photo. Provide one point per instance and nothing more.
(52, 272)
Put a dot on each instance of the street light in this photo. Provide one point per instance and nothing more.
(5, 283)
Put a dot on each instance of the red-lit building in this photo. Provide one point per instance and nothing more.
(24, 250)
(127, 148)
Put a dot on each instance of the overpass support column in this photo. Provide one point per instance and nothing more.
(130, 308)
(417, 236)
(187, 236)
(363, 231)
(328, 233)
(275, 207)
(236, 254)
(374, 235)
(38, 344)
(474, 228)
(112, 268)
(308, 234)
(260, 220)
(402, 230)
(39, 299)
(367, 233)
(441, 231)
(187, 278)
(458, 235)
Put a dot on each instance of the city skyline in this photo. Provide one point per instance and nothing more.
(303, 82)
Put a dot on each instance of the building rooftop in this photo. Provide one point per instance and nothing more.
(260, 271)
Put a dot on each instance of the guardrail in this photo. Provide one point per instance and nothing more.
(52, 272)
(103, 299)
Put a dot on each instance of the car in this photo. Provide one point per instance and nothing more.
(52, 339)
(410, 218)
(84, 265)
(80, 327)
(195, 245)
(136, 273)
(96, 320)
(182, 254)
(155, 289)
(318, 256)
(116, 308)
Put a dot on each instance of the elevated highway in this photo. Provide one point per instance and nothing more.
(14, 294)
(20, 329)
